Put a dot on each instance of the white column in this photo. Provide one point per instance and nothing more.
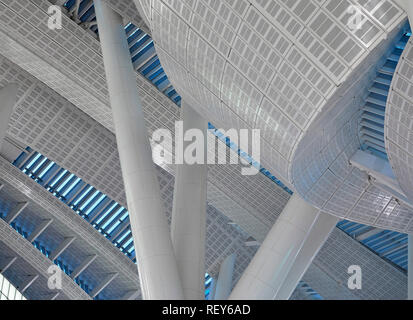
(224, 283)
(213, 289)
(410, 268)
(324, 224)
(268, 269)
(157, 267)
(188, 225)
(8, 98)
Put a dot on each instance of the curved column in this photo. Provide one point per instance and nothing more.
(8, 98)
(188, 225)
(268, 269)
(224, 283)
(157, 267)
(324, 224)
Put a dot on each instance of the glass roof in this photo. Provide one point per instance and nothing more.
(104, 214)
(389, 245)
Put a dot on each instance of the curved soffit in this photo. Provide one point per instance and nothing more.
(271, 65)
(399, 122)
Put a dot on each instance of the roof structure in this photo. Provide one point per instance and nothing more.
(318, 91)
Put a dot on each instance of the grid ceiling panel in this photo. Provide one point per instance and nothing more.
(398, 121)
(321, 170)
(324, 54)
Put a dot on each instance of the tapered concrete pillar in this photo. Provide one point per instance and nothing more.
(157, 267)
(8, 98)
(316, 238)
(225, 276)
(269, 268)
(188, 225)
(410, 268)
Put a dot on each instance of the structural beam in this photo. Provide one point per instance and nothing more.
(213, 289)
(269, 268)
(8, 99)
(58, 2)
(61, 248)
(103, 284)
(188, 225)
(7, 264)
(368, 234)
(54, 296)
(27, 283)
(157, 266)
(39, 229)
(83, 266)
(224, 284)
(381, 172)
(14, 213)
(316, 238)
(389, 251)
(131, 295)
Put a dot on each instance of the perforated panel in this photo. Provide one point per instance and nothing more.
(282, 60)
(398, 122)
(321, 169)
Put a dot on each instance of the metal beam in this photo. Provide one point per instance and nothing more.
(61, 248)
(58, 2)
(410, 268)
(105, 282)
(251, 242)
(368, 234)
(29, 281)
(8, 264)
(82, 267)
(388, 252)
(381, 172)
(39, 230)
(119, 229)
(14, 213)
(130, 295)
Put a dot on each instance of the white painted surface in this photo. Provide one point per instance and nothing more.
(224, 283)
(157, 267)
(270, 266)
(189, 215)
(318, 235)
